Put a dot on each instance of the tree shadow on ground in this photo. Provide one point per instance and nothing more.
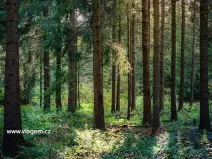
(187, 144)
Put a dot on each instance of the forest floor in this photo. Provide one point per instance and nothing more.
(73, 137)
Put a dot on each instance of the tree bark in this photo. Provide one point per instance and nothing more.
(46, 81)
(58, 77)
(113, 106)
(147, 115)
(129, 59)
(119, 76)
(162, 55)
(76, 67)
(132, 35)
(181, 100)
(156, 70)
(47, 98)
(78, 84)
(25, 96)
(99, 121)
(204, 105)
(41, 81)
(193, 56)
(72, 66)
(173, 64)
(12, 111)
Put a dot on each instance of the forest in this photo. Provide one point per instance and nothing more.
(105, 79)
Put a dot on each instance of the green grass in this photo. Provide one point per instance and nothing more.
(73, 136)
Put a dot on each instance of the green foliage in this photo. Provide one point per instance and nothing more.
(120, 59)
(73, 136)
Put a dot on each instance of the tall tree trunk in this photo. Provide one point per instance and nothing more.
(25, 97)
(113, 106)
(76, 68)
(181, 100)
(99, 121)
(47, 98)
(129, 59)
(41, 83)
(193, 56)
(173, 64)
(162, 55)
(119, 76)
(58, 78)
(147, 115)
(204, 106)
(132, 35)
(78, 84)
(72, 65)
(46, 81)
(156, 70)
(12, 112)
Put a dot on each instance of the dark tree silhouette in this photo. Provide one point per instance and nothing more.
(12, 112)
(204, 106)
(173, 64)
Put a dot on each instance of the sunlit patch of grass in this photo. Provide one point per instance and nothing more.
(93, 142)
